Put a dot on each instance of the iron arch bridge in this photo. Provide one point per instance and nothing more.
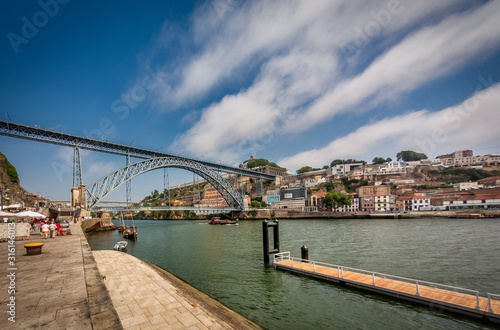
(104, 186)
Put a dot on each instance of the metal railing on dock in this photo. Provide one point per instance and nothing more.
(455, 298)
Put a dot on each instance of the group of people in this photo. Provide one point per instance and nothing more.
(50, 228)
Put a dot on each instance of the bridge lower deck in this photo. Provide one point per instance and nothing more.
(468, 303)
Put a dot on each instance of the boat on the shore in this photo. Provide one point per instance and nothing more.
(120, 246)
(97, 225)
(473, 216)
(219, 221)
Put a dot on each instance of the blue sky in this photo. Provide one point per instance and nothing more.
(296, 82)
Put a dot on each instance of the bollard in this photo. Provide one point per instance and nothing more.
(304, 253)
(265, 239)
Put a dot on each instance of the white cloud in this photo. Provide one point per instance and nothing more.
(304, 77)
(423, 56)
(434, 133)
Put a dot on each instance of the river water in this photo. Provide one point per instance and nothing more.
(226, 262)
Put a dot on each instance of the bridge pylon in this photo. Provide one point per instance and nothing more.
(79, 201)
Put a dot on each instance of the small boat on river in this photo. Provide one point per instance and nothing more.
(120, 246)
(130, 232)
(219, 221)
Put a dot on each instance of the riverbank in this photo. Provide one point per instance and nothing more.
(283, 214)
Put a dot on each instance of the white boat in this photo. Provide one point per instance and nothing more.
(120, 246)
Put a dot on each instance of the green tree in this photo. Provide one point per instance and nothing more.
(305, 169)
(255, 204)
(409, 155)
(380, 160)
(257, 163)
(346, 161)
(336, 199)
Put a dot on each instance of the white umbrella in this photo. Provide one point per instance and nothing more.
(13, 206)
(30, 214)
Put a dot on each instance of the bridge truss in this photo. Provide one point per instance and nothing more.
(102, 187)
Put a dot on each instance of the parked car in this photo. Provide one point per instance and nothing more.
(63, 223)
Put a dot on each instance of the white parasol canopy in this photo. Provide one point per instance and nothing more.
(30, 214)
(13, 206)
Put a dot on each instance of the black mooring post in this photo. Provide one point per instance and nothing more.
(304, 253)
(265, 240)
(276, 236)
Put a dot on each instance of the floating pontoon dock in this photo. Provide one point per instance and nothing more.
(455, 299)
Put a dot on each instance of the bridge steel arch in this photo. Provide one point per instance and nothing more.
(104, 186)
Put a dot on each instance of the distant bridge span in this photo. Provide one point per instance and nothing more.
(59, 138)
(154, 159)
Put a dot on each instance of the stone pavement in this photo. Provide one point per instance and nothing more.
(147, 297)
(58, 289)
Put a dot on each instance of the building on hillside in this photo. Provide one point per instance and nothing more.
(463, 186)
(292, 198)
(474, 202)
(297, 204)
(491, 182)
(355, 174)
(393, 168)
(366, 203)
(466, 158)
(272, 196)
(457, 154)
(309, 182)
(271, 170)
(384, 203)
(212, 198)
(295, 192)
(316, 200)
(414, 203)
(373, 190)
(342, 170)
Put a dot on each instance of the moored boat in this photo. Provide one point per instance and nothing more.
(219, 221)
(130, 233)
(120, 246)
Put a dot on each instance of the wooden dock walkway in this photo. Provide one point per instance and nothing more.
(463, 301)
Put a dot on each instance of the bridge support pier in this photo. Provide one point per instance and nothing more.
(79, 200)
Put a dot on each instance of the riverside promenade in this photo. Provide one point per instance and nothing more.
(70, 287)
(58, 289)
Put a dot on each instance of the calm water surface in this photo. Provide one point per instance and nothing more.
(226, 263)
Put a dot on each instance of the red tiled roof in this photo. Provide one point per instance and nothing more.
(490, 178)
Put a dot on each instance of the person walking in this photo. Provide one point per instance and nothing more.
(45, 230)
(52, 228)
